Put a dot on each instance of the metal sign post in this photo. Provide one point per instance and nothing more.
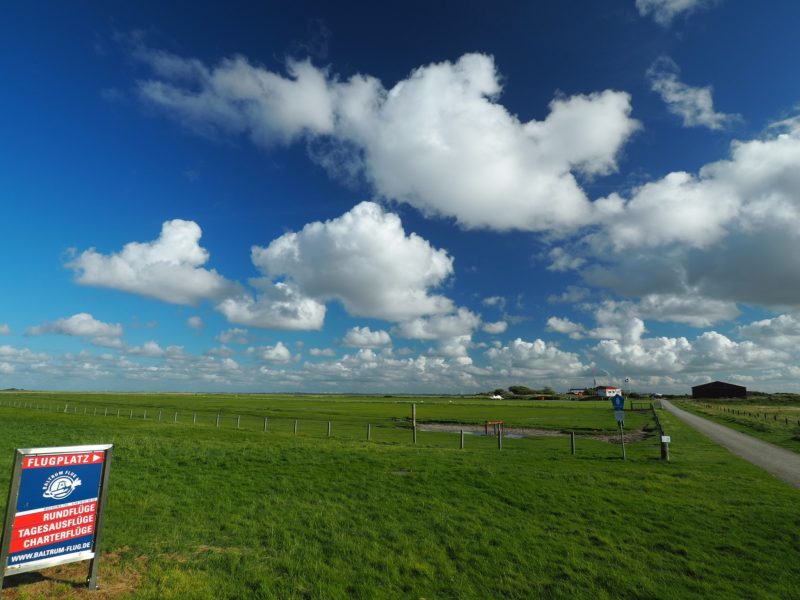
(618, 403)
(55, 509)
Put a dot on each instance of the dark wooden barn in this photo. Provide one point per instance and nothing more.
(719, 389)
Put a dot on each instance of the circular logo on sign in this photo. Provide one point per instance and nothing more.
(60, 485)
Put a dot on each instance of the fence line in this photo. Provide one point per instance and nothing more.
(775, 417)
(395, 430)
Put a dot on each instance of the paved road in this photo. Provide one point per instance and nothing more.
(782, 463)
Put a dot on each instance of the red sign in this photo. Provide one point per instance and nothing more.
(44, 527)
(62, 460)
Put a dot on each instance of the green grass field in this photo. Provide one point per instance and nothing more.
(196, 511)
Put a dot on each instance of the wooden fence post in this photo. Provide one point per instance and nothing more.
(572, 441)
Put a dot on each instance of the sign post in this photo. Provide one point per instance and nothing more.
(618, 403)
(55, 509)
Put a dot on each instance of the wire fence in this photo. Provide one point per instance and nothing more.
(382, 430)
(775, 417)
(388, 430)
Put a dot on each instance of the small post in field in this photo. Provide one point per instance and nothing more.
(414, 415)
(217, 419)
(194, 419)
(295, 426)
(144, 418)
(369, 432)
(415, 434)
(329, 429)
(159, 416)
(266, 422)
(175, 418)
(118, 413)
(131, 415)
(499, 438)
(572, 441)
(238, 421)
(462, 439)
(622, 439)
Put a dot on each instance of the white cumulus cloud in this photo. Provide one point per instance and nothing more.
(711, 352)
(237, 335)
(694, 105)
(452, 332)
(363, 337)
(365, 260)
(5, 329)
(781, 332)
(689, 308)
(322, 352)
(275, 306)
(277, 353)
(150, 349)
(576, 331)
(534, 359)
(168, 268)
(699, 234)
(495, 328)
(85, 326)
(438, 140)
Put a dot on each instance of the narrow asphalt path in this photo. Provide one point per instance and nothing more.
(782, 463)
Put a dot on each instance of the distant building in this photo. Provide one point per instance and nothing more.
(607, 392)
(576, 392)
(719, 389)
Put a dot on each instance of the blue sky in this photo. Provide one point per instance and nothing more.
(423, 197)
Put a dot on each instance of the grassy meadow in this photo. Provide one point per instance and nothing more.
(196, 511)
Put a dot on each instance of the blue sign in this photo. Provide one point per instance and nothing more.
(55, 507)
(618, 402)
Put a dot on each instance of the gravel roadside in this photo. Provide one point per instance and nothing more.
(782, 463)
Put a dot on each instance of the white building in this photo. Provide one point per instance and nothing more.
(608, 392)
